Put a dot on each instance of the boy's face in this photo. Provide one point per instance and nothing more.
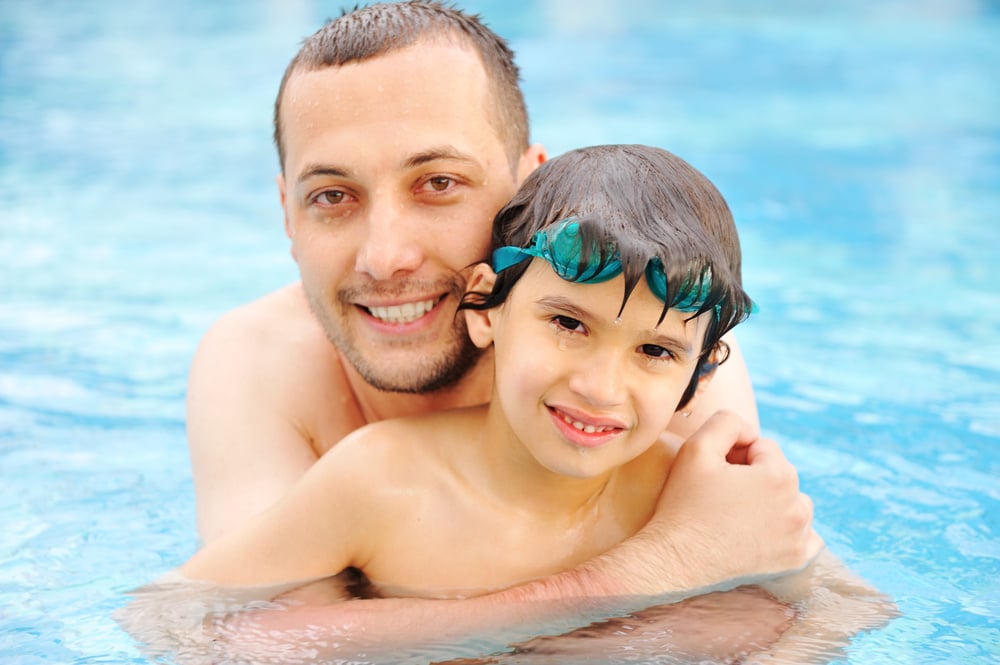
(391, 178)
(584, 390)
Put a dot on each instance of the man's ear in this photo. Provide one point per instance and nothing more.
(532, 158)
(280, 180)
(479, 322)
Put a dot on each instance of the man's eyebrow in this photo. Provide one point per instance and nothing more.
(676, 344)
(313, 170)
(418, 159)
(439, 152)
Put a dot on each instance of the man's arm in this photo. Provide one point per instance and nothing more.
(718, 627)
(717, 522)
(834, 605)
(702, 535)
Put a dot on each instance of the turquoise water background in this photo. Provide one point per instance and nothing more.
(858, 144)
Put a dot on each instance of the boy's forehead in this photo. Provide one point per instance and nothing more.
(604, 301)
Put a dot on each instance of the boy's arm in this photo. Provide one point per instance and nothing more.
(316, 530)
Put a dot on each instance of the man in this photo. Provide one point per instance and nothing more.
(401, 130)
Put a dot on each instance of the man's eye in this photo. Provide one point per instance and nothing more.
(440, 183)
(654, 351)
(568, 323)
(330, 197)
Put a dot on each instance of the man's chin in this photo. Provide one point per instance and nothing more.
(412, 372)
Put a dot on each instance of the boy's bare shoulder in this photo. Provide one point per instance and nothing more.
(423, 436)
(415, 450)
(660, 456)
(648, 471)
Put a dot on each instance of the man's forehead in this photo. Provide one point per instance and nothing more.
(423, 63)
(411, 102)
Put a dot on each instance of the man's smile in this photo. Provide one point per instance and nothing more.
(403, 313)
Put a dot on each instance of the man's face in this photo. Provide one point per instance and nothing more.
(392, 176)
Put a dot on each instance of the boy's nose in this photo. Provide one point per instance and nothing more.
(600, 380)
(391, 245)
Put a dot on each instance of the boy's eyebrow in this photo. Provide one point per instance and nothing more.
(678, 345)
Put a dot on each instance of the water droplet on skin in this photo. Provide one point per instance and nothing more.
(562, 344)
(618, 320)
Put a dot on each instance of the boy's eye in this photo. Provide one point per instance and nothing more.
(568, 323)
(654, 351)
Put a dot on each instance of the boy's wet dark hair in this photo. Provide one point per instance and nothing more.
(644, 203)
(367, 32)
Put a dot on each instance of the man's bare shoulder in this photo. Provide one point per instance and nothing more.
(269, 325)
(275, 335)
(273, 351)
(266, 397)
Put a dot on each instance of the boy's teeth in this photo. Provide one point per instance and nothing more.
(405, 313)
(589, 429)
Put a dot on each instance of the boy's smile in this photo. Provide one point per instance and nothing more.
(584, 430)
(583, 389)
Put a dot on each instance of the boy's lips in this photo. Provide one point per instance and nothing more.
(585, 430)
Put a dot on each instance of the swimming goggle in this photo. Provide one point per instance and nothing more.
(561, 246)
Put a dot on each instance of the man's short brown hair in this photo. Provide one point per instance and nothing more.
(368, 32)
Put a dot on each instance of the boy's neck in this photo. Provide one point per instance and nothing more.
(507, 471)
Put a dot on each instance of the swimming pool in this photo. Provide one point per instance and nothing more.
(858, 144)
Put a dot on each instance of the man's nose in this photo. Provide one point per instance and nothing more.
(392, 244)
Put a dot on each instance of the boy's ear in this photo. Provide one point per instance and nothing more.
(480, 321)
(701, 378)
(705, 374)
(711, 364)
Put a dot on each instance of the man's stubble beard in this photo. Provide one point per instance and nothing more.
(424, 375)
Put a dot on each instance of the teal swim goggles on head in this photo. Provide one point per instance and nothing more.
(561, 246)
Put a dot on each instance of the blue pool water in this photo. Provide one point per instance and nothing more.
(857, 142)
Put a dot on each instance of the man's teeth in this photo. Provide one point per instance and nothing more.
(589, 429)
(405, 313)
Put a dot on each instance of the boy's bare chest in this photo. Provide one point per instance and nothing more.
(448, 547)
